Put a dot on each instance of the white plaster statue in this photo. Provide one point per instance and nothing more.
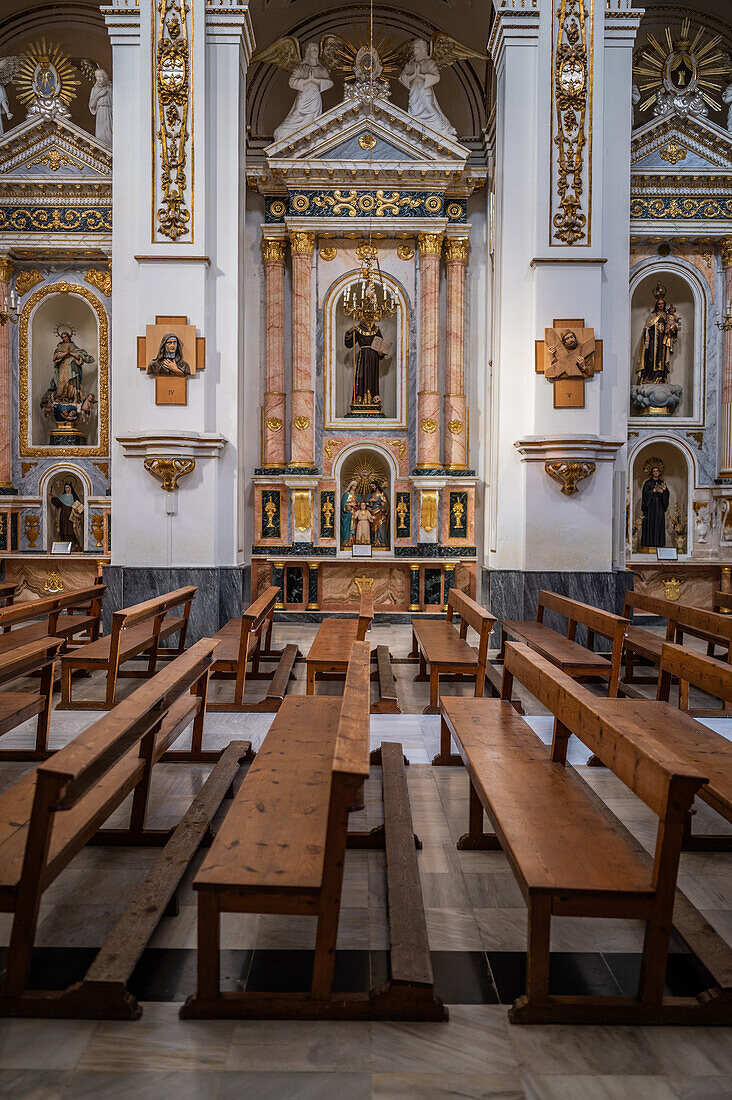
(635, 98)
(8, 69)
(727, 98)
(100, 105)
(310, 76)
(422, 63)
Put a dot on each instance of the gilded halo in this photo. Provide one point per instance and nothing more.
(45, 71)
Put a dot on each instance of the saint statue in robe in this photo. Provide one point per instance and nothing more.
(366, 342)
(660, 333)
(378, 506)
(654, 505)
(100, 105)
(69, 516)
(68, 360)
(349, 503)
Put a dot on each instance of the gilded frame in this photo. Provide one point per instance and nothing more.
(102, 447)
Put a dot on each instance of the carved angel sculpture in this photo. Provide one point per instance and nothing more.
(422, 63)
(100, 97)
(8, 69)
(309, 76)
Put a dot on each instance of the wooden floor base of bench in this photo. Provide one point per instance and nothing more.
(395, 1001)
(711, 1008)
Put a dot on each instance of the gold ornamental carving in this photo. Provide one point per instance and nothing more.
(328, 253)
(363, 582)
(651, 464)
(102, 280)
(571, 95)
(53, 583)
(97, 529)
(429, 425)
(103, 468)
(274, 423)
(569, 474)
(456, 249)
(26, 466)
(455, 426)
(672, 152)
(331, 447)
(270, 510)
(404, 252)
(6, 271)
(168, 471)
(458, 511)
(428, 510)
(368, 141)
(273, 250)
(303, 243)
(302, 423)
(173, 124)
(26, 450)
(301, 507)
(31, 526)
(429, 244)
(26, 280)
(399, 446)
(671, 588)
(725, 251)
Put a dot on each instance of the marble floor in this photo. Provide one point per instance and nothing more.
(476, 923)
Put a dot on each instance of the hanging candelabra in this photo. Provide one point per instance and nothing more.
(9, 309)
(368, 299)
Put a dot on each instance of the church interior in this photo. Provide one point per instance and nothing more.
(366, 549)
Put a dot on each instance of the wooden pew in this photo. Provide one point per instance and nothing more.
(570, 855)
(138, 629)
(565, 652)
(387, 703)
(33, 658)
(48, 815)
(642, 643)
(722, 604)
(444, 648)
(74, 616)
(8, 592)
(281, 849)
(711, 626)
(329, 653)
(248, 638)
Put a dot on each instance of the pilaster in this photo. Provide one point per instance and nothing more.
(428, 398)
(455, 417)
(6, 473)
(273, 416)
(725, 248)
(302, 429)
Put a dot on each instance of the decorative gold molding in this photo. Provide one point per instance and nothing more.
(273, 250)
(169, 470)
(456, 249)
(572, 53)
(302, 423)
(398, 445)
(429, 244)
(428, 510)
(363, 582)
(331, 447)
(671, 588)
(53, 583)
(404, 252)
(23, 397)
(672, 152)
(455, 426)
(103, 467)
(328, 253)
(26, 280)
(725, 251)
(97, 529)
(25, 467)
(173, 99)
(274, 423)
(102, 280)
(429, 425)
(301, 509)
(568, 474)
(302, 242)
(6, 270)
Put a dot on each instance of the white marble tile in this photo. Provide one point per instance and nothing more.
(57, 1044)
(302, 1046)
(556, 1049)
(446, 1086)
(164, 1042)
(474, 1040)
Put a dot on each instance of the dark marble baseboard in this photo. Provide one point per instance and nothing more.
(434, 550)
(296, 550)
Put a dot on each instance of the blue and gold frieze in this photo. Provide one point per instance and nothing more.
(353, 203)
(403, 515)
(686, 208)
(327, 514)
(55, 219)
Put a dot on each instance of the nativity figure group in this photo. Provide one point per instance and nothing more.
(365, 516)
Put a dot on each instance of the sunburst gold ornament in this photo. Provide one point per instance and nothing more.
(681, 69)
(46, 81)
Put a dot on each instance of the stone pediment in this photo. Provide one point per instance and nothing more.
(53, 151)
(677, 144)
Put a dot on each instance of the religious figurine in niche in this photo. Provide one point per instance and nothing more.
(8, 69)
(100, 105)
(349, 504)
(169, 359)
(310, 75)
(378, 506)
(362, 517)
(422, 62)
(654, 505)
(660, 333)
(66, 399)
(69, 517)
(372, 348)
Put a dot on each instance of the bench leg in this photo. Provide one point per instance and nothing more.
(209, 936)
(65, 683)
(310, 679)
(445, 757)
(44, 718)
(475, 840)
(414, 651)
(537, 953)
(421, 677)
(201, 690)
(434, 707)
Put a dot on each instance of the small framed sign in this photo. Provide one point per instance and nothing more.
(361, 550)
(61, 548)
(667, 553)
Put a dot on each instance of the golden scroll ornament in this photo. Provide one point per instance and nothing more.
(429, 425)
(428, 510)
(102, 280)
(26, 280)
(169, 470)
(274, 423)
(302, 423)
(568, 474)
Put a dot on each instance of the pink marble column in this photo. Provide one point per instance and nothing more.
(456, 429)
(303, 403)
(428, 398)
(725, 248)
(273, 427)
(6, 473)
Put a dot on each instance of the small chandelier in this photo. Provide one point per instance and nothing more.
(9, 308)
(368, 298)
(726, 322)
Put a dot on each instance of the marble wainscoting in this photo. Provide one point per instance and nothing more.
(222, 592)
(514, 594)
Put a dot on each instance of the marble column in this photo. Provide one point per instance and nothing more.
(273, 433)
(414, 604)
(6, 414)
(302, 246)
(428, 398)
(313, 586)
(725, 248)
(456, 428)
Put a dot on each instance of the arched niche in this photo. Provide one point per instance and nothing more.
(685, 290)
(362, 463)
(339, 361)
(63, 488)
(678, 474)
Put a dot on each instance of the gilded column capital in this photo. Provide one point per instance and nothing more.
(303, 242)
(456, 249)
(725, 251)
(429, 244)
(6, 269)
(273, 250)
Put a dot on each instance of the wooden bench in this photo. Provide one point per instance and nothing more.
(329, 653)
(136, 630)
(578, 661)
(722, 603)
(642, 643)
(441, 646)
(569, 854)
(281, 849)
(48, 815)
(74, 616)
(248, 638)
(711, 626)
(8, 592)
(388, 702)
(33, 658)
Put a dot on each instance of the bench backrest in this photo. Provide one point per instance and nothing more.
(159, 606)
(722, 601)
(28, 658)
(351, 755)
(8, 593)
(30, 610)
(595, 619)
(706, 673)
(365, 614)
(471, 614)
(658, 776)
(256, 617)
(654, 605)
(699, 619)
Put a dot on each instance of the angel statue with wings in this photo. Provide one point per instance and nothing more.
(422, 63)
(310, 76)
(8, 69)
